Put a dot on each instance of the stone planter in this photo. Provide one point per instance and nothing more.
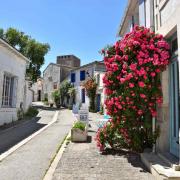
(77, 135)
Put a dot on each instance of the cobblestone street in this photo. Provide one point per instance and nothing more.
(82, 161)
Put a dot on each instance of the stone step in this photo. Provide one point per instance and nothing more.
(159, 167)
(171, 160)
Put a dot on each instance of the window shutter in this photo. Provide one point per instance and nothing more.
(73, 79)
(82, 75)
(14, 100)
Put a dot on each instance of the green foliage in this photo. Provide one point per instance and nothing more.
(56, 96)
(91, 86)
(79, 125)
(46, 97)
(64, 90)
(31, 112)
(101, 109)
(32, 49)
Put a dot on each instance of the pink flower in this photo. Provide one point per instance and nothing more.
(153, 74)
(131, 85)
(122, 80)
(141, 84)
(133, 67)
(143, 96)
(140, 112)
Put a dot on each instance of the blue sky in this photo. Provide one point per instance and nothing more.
(79, 27)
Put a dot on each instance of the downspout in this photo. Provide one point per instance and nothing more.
(152, 29)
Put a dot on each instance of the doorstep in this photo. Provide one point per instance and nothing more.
(160, 168)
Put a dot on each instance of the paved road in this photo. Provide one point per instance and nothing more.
(31, 161)
(12, 136)
(82, 161)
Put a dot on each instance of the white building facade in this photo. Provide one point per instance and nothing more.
(79, 75)
(162, 16)
(12, 82)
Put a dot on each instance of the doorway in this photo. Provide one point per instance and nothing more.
(174, 107)
(39, 95)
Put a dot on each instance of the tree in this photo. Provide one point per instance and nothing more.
(32, 49)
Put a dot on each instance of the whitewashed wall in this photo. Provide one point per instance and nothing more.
(15, 65)
(36, 87)
(51, 76)
(28, 96)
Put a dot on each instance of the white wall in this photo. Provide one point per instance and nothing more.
(36, 87)
(15, 65)
(28, 96)
(51, 76)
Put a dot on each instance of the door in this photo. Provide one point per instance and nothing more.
(39, 95)
(83, 95)
(98, 102)
(174, 107)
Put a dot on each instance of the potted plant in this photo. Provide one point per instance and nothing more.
(79, 132)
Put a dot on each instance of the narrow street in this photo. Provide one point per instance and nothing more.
(31, 160)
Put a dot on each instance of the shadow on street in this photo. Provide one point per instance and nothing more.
(12, 136)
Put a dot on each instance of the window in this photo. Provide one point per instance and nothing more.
(82, 75)
(55, 85)
(73, 77)
(83, 95)
(9, 91)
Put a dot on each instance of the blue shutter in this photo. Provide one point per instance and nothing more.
(82, 75)
(73, 77)
(83, 95)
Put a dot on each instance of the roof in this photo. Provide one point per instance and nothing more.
(89, 64)
(13, 49)
(59, 65)
(124, 21)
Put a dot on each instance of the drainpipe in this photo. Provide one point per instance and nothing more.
(152, 29)
(153, 130)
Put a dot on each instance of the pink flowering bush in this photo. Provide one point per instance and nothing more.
(133, 89)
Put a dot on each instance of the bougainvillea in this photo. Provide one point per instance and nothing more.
(133, 89)
(90, 85)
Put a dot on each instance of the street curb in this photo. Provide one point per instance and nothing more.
(21, 143)
(49, 174)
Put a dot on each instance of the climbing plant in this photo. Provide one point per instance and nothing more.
(91, 86)
(133, 89)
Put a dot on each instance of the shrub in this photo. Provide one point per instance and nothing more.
(79, 125)
(31, 112)
(91, 86)
(133, 89)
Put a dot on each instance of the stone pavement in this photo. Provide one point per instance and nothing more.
(82, 161)
(31, 160)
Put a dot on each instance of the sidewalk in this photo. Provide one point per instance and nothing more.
(82, 161)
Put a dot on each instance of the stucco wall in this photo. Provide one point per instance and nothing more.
(13, 64)
(28, 96)
(51, 75)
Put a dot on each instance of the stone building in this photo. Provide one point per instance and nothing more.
(68, 60)
(162, 17)
(79, 75)
(13, 86)
(54, 74)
